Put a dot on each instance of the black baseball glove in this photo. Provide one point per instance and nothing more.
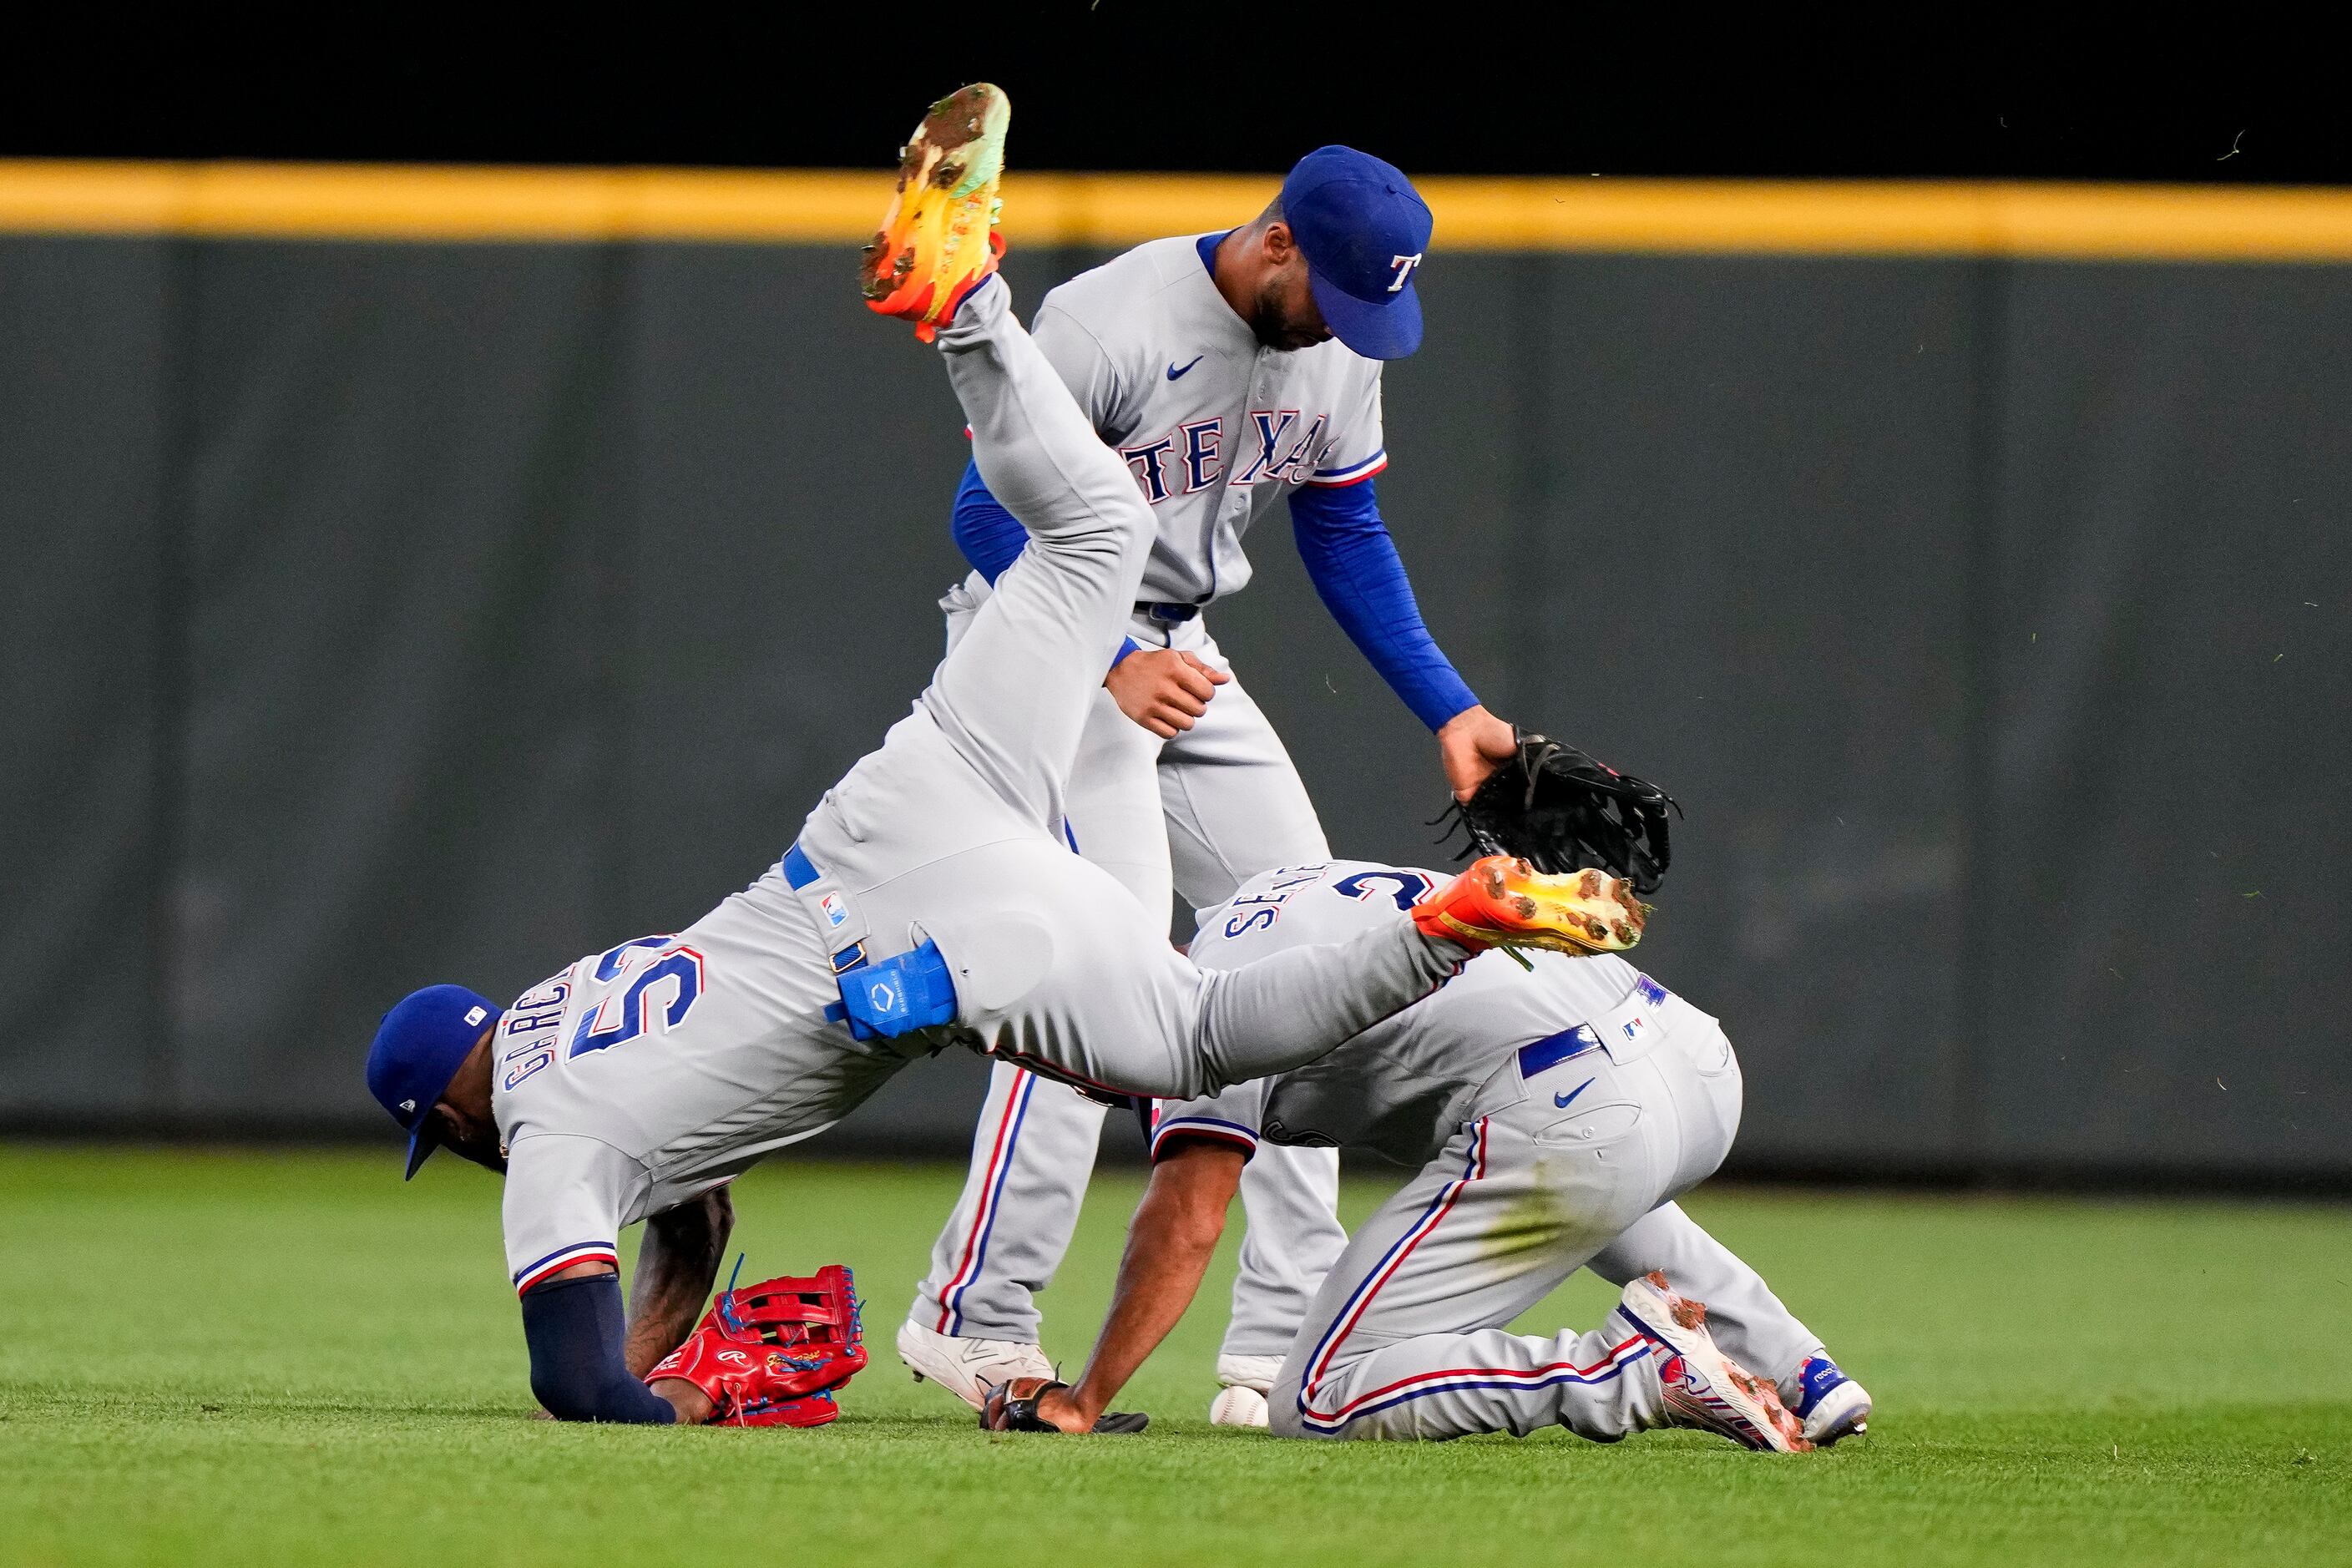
(1560, 811)
(1012, 1407)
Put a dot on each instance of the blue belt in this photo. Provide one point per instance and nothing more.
(1541, 1056)
(1159, 610)
(895, 996)
(1553, 1049)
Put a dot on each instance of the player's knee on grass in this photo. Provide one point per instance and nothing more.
(1282, 1403)
(1282, 1417)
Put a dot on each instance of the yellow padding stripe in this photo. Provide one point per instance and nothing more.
(304, 201)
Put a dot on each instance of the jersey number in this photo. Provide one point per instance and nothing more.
(1408, 887)
(681, 969)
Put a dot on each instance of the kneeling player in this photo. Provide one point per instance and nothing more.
(930, 900)
(1558, 1108)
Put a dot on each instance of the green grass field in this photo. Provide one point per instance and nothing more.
(240, 1358)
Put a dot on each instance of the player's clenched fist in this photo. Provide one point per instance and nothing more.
(1163, 689)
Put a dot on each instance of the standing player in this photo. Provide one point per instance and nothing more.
(929, 901)
(1231, 370)
(1557, 1111)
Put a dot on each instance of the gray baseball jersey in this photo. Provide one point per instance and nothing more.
(602, 1129)
(1403, 1085)
(1215, 436)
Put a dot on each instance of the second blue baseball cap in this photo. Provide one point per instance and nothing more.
(1363, 229)
(419, 1047)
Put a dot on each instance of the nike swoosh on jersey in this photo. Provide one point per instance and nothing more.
(1561, 1101)
(1174, 373)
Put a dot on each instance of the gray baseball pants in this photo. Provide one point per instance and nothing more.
(1197, 815)
(953, 830)
(1575, 1166)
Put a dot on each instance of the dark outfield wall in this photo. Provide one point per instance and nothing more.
(378, 614)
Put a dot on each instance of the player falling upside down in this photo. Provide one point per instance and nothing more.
(1236, 372)
(930, 900)
(1556, 1111)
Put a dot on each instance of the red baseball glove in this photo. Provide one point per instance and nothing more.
(771, 1354)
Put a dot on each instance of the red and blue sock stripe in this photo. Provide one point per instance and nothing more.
(564, 1257)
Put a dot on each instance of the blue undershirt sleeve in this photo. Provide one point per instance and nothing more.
(990, 537)
(575, 1328)
(1355, 568)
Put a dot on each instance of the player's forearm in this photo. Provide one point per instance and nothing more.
(573, 1326)
(1168, 1245)
(1358, 574)
(677, 1266)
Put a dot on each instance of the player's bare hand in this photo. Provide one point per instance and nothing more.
(1473, 743)
(1166, 689)
(1058, 1405)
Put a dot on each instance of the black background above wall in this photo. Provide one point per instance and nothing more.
(1117, 85)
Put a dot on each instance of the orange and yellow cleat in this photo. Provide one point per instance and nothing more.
(1508, 903)
(939, 242)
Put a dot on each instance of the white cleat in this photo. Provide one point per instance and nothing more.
(1243, 1381)
(1257, 1372)
(1705, 1388)
(968, 1368)
(1831, 1404)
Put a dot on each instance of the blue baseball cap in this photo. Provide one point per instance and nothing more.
(419, 1048)
(1363, 229)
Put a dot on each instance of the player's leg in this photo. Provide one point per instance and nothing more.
(1011, 697)
(974, 1320)
(1290, 1200)
(1056, 967)
(1016, 691)
(1407, 1337)
(1012, 1225)
(986, 754)
(1745, 1316)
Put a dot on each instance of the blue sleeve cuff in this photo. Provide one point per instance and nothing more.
(1357, 572)
(575, 1328)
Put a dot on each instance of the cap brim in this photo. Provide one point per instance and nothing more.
(421, 1142)
(1390, 329)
